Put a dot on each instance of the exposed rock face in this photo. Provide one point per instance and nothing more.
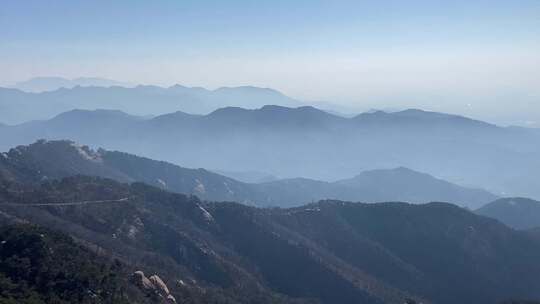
(159, 284)
(153, 285)
(142, 281)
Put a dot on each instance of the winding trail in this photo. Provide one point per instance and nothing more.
(122, 200)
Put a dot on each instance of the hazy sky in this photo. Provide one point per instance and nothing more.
(454, 56)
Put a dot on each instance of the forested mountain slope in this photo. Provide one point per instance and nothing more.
(57, 159)
(329, 251)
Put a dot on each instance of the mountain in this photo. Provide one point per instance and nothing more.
(57, 159)
(18, 106)
(382, 185)
(310, 143)
(253, 177)
(45, 160)
(403, 184)
(516, 212)
(325, 252)
(43, 84)
(250, 96)
(272, 116)
(417, 117)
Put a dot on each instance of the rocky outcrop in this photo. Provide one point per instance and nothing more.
(153, 286)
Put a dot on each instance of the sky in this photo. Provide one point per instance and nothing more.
(479, 58)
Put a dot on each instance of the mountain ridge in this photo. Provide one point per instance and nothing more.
(516, 212)
(20, 106)
(325, 251)
(47, 84)
(308, 142)
(59, 159)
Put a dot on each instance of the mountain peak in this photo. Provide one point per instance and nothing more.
(424, 114)
(516, 212)
(226, 111)
(247, 88)
(416, 187)
(393, 171)
(98, 113)
(418, 117)
(53, 147)
(278, 115)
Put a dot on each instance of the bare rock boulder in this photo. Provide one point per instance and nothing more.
(154, 286)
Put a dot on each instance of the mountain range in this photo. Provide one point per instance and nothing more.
(325, 252)
(125, 238)
(517, 212)
(310, 143)
(382, 185)
(59, 159)
(17, 106)
(44, 84)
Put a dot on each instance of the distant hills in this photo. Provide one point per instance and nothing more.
(411, 186)
(388, 185)
(307, 142)
(45, 160)
(516, 212)
(43, 84)
(20, 106)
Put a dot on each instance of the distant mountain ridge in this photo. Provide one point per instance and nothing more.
(58, 159)
(19, 106)
(382, 185)
(411, 186)
(44, 84)
(517, 212)
(411, 117)
(308, 142)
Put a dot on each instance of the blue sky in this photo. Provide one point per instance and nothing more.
(359, 53)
